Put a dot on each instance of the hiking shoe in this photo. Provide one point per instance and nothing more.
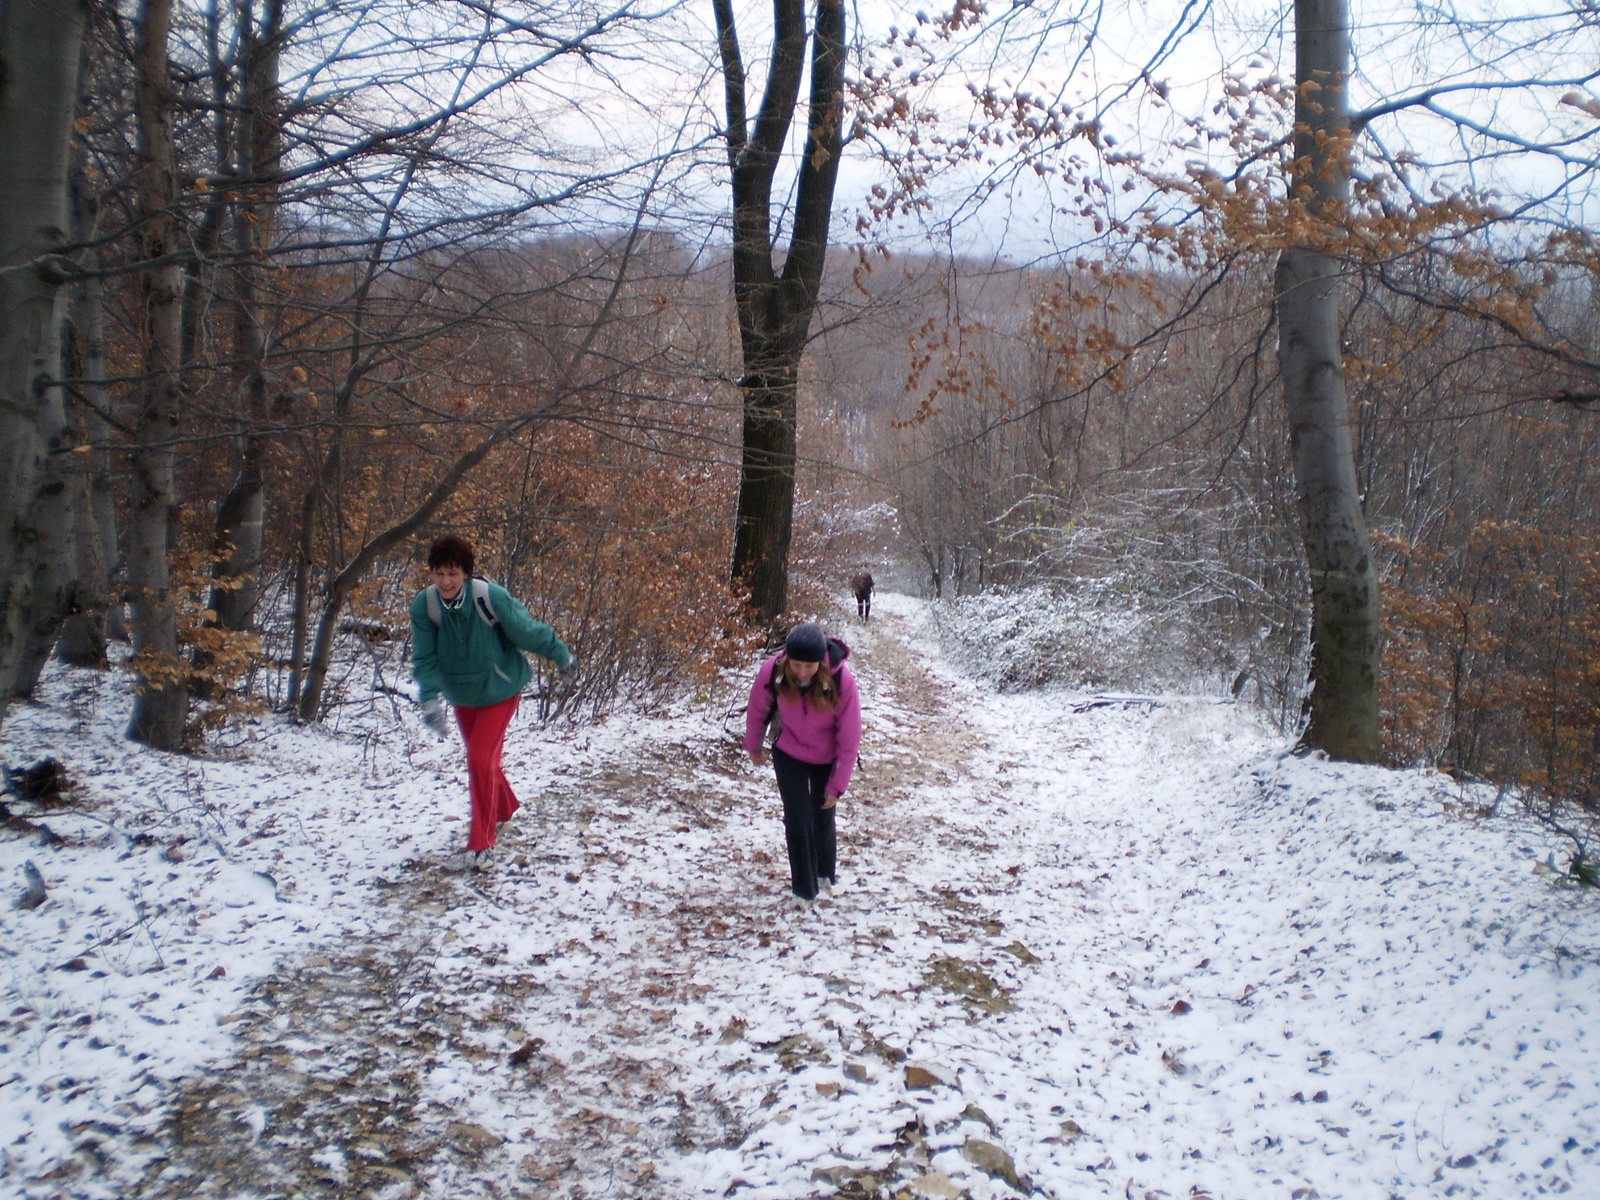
(482, 860)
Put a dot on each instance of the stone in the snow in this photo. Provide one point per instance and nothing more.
(33, 895)
(1021, 953)
(921, 1076)
(973, 1113)
(472, 1139)
(937, 1185)
(992, 1160)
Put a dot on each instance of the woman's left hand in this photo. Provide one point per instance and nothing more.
(829, 800)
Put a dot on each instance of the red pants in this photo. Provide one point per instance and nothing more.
(493, 801)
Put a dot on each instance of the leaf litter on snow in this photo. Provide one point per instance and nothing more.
(1129, 950)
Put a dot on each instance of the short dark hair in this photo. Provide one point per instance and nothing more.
(450, 551)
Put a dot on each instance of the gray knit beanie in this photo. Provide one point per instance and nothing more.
(806, 643)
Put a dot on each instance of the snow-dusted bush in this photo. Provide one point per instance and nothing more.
(1095, 633)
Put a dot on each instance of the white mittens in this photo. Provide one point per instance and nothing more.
(433, 717)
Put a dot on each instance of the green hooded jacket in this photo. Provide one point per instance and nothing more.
(469, 661)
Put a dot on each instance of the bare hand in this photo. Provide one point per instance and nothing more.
(759, 758)
(829, 800)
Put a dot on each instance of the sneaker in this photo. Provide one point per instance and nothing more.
(800, 904)
(482, 860)
(824, 887)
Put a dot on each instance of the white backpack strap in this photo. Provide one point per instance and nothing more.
(480, 601)
(431, 595)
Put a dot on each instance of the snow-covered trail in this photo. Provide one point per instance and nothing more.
(1078, 949)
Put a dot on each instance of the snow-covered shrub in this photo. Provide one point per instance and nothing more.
(1094, 633)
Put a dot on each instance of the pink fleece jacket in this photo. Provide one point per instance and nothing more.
(810, 734)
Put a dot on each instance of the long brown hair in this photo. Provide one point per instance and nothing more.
(824, 689)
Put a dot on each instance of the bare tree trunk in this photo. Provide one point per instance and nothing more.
(163, 701)
(56, 555)
(774, 309)
(301, 617)
(1345, 633)
(83, 634)
(39, 48)
(51, 558)
(241, 516)
(57, 590)
(91, 326)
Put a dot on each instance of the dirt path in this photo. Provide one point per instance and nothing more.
(1103, 947)
(532, 1034)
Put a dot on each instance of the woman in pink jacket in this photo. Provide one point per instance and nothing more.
(809, 696)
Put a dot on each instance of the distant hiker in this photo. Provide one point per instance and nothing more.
(805, 698)
(468, 636)
(861, 585)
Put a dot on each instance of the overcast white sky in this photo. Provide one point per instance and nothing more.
(660, 92)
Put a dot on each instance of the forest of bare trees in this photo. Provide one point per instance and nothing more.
(1288, 363)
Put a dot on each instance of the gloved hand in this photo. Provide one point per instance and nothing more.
(569, 672)
(433, 717)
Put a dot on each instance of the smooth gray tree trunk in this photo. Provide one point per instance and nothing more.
(91, 326)
(162, 705)
(55, 557)
(83, 634)
(241, 517)
(81, 587)
(39, 48)
(1345, 631)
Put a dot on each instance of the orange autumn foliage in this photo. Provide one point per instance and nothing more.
(1493, 659)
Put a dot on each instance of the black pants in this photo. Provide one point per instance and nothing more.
(807, 826)
(863, 605)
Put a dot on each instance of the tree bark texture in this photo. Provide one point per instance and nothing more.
(775, 308)
(83, 634)
(39, 48)
(82, 641)
(57, 519)
(241, 516)
(1345, 633)
(162, 704)
(90, 323)
(305, 547)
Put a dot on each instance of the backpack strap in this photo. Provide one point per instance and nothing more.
(480, 601)
(772, 692)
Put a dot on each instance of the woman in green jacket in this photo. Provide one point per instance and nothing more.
(468, 637)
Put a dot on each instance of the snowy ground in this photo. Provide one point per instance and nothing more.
(1079, 948)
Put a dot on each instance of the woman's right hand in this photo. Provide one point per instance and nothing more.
(759, 757)
(434, 718)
